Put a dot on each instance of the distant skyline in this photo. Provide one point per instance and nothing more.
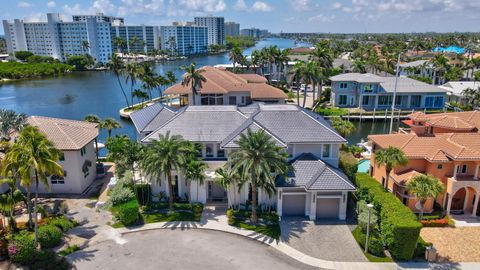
(328, 16)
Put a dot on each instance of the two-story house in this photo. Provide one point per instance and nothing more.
(369, 92)
(316, 188)
(76, 141)
(438, 123)
(223, 87)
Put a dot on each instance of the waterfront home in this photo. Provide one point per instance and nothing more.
(420, 68)
(454, 158)
(368, 91)
(455, 90)
(316, 188)
(438, 123)
(76, 140)
(223, 87)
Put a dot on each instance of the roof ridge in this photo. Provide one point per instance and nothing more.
(316, 120)
(180, 112)
(408, 141)
(66, 136)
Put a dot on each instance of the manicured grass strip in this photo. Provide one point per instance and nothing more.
(269, 224)
(372, 258)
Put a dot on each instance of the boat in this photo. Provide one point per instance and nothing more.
(365, 146)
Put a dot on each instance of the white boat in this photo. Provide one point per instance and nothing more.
(367, 147)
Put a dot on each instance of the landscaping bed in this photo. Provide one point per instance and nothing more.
(268, 222)
(158, 212)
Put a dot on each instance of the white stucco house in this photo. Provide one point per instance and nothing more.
(315, 189)
(76, 140)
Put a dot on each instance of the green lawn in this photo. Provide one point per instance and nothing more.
(372, 258)
(268, 222)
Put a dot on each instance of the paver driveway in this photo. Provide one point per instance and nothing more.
(183, 249)
(329, 240)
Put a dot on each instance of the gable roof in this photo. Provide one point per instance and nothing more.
(313, 174)
(435, 148)
(65, 134)
(220, 81)
(149, 118)
(460, 121)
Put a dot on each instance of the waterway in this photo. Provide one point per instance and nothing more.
(80, 93)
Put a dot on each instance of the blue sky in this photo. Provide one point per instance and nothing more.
(346, 16)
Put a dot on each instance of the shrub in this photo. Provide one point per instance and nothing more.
(47, 259)
(127, 213)
(144, 193)
(22, 248)
(375, 242)
(421, 247)
(399, 226)
(121, 194)
(442, 222)
(363, 216)
(23, 55)
(49, 236)
(62, 223)
(348, 163)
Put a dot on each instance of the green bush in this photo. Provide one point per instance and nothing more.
(375, 242)
(348, 163)
(47, 259)
(23, 55)
(16, 70)
(22, 249)
(62, 223)
(49, 236)
(421, 247)
(120, 194)
(127, 213)
(398, 225)
(144, 193)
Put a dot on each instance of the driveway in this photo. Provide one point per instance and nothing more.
(331, 241)
(183, 249)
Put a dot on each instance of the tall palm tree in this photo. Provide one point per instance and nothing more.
(85, 46)
(343, 127)
(256, 58)
(117, 66)
(390, 158)
(9, 199)
(298, 71)
(258, 161)
(110, 124)
(119, 43)
(440, 65)
(424, 187)
(196, 172)
(229, 180)
(132, 72)
(169, 152)
(37, 158)
(140, 95)
(171, 77)
(10, 121)
(132, 43)
(193, 77)
(358, 65)
(282, 59)
(235, 56)
(322, 55)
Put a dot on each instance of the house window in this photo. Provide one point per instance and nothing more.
(434, 102)
(58, 180)
(439, 166)
(83, 151)
(326, 151)
(62, 157)
(415, 101)
(343, 85)
(384, 100)
(209, 150)
(232, 100)
(220, 152)
(462, 169)
(368, 88)
(366, 100)
(342, 100)
(212, 99)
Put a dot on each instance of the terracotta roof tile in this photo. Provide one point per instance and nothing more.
(455, 120)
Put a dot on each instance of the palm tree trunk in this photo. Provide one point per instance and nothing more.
(198, 183)
(320, 88)
(109, 133)
(305, 94)
(387, 178)
(29, 208)
(313, 94)
(170, 191)
(35, 209)
(193, 95)
(254, 217)
(123, 91)
(298, 91)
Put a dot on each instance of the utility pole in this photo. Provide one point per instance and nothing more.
(394, 93)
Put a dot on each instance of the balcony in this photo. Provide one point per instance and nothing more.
(462, 181)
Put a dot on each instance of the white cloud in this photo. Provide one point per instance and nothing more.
(23, 4)
(240, 6)
(51, 4)
(321, 18)
(104, 6)
(301, 5)
(261, 6)
(203, 5)
(35, 17)
(337, 5)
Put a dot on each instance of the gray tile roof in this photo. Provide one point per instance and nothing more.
(313, 174)
(230, 141)
(357, 77)
(416, 63)
(151, 117)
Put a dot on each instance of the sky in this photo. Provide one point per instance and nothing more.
(328, 16)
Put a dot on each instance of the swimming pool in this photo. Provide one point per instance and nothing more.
(364, 166)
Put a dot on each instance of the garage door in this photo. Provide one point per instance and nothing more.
(293, 205)
(327, 208)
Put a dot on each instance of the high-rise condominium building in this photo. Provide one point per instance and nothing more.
(60, 39)
(232, 29)
(184, 39)
(216, 29)
(136, 39)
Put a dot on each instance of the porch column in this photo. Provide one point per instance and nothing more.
(449, 204)
(376, 101)
(475, 205)
(360, 101)
(313, 206)
(455, 168)
(475, 177)
(409, 100)
(279, 202)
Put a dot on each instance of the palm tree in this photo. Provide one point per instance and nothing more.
(132, 71)
(298, 71)
(256, 58)
(33, 155)
(110, 124)
(119, 43)
(10, 121)
(424, 187)
(196, 172)
(440, 66)
(140, 95)
(343, 127)
(235, 57)
(117, 66)
(359, 66)
(282, 59)
(390, 157)
(9, 200)
(85, 46)
(194, 77)
(258, 161)
(322, 55)
(228, 179)
(171, 77)
(164, 155)
(132, 43)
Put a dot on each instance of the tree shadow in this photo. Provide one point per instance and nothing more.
(292, 227)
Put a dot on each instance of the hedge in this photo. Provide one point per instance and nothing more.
(398, 224)
(127, 213)
(22, 249)
(144, 193)
(348, 163)
(49, 236)
(375, 243)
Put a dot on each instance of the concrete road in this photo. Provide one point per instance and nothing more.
(183, 249)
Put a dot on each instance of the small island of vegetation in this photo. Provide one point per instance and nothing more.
(32, 66)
